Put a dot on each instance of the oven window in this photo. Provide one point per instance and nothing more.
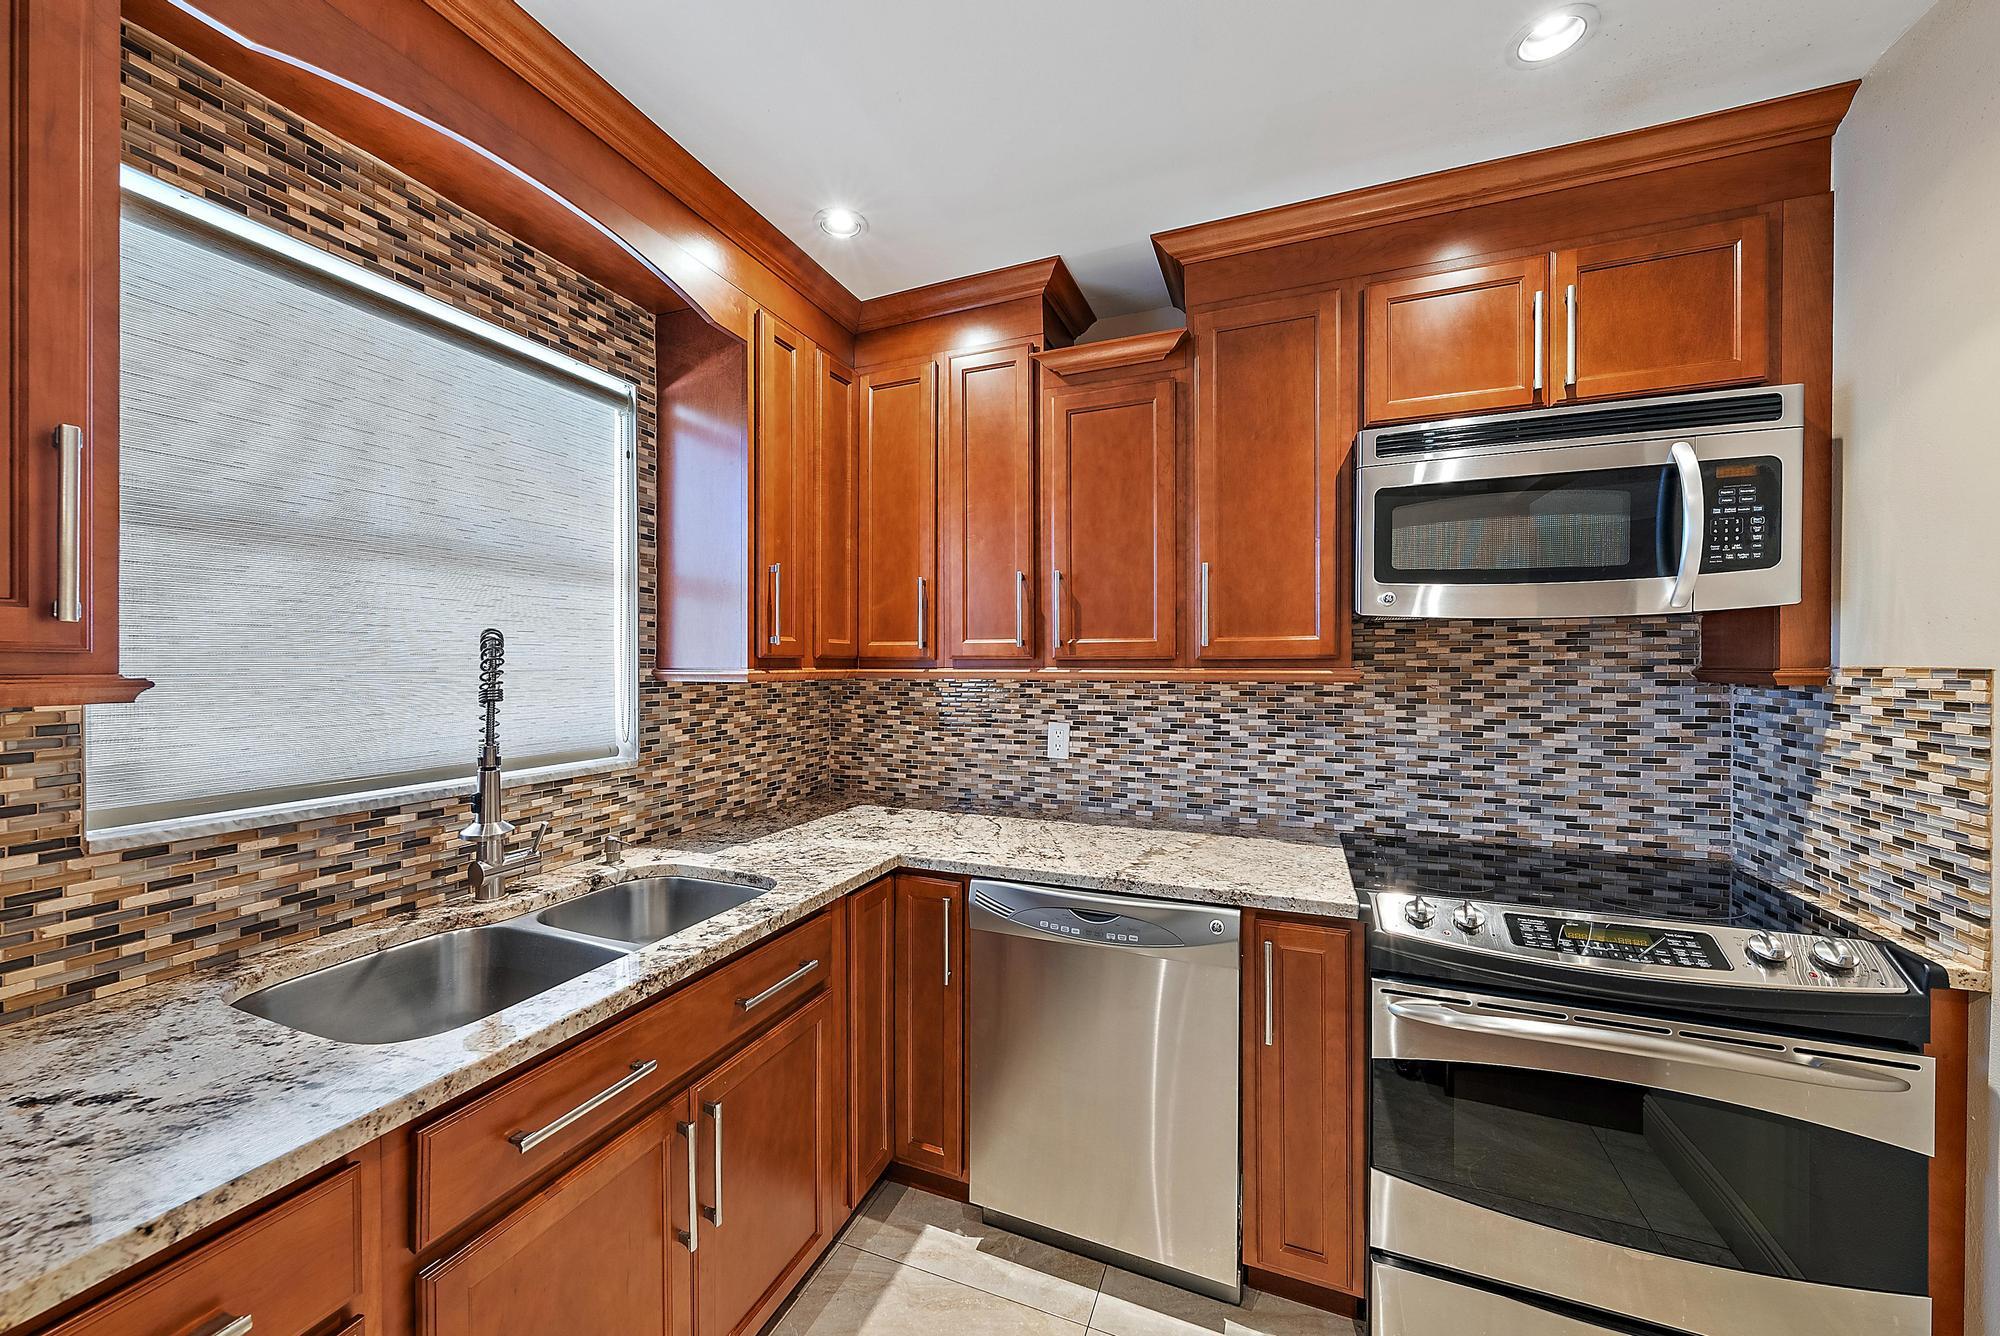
(1659, 1171)
(1604, 524)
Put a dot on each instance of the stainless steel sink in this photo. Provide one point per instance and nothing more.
(648, 909)
(428, 986)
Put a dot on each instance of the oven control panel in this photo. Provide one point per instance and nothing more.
(1741, 530)
(1658, 948)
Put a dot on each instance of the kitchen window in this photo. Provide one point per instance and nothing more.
(329, 484)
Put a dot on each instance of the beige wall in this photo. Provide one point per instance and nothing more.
(1916, 388)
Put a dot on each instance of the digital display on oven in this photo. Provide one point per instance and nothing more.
(1687, 948)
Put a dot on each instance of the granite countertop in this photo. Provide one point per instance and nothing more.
(130, 1123)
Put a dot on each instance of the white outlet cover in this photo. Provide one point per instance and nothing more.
(1058, 741)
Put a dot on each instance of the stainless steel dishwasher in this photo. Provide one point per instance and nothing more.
(1103, 1055)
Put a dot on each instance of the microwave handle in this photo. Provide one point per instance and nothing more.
(1694, 525)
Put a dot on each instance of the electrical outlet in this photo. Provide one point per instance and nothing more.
(1059, 741)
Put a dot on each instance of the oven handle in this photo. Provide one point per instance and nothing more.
(1790, 1067)
(1694, 524)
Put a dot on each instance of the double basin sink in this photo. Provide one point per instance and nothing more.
(439, 983)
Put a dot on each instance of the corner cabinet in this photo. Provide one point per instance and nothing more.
(59, 487)
(835, 636)
(1305, 1117)
(928, 992)
(986, 506)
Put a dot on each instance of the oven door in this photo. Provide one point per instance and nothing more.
(1699, 1178)
(1616, 529)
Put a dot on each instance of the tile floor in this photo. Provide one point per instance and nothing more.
(913, 1264)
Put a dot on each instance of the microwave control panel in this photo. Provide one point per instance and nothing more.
(1743, 498)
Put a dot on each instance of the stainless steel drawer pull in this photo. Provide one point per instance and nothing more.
(758, 999)
(714, 1213)
(923, 615)
(1020, 609)
(527, 1141)
(691, 1236)
(777, 602)
(230, 1326)
(1538, 338)
(69, 530)
(1267, 992)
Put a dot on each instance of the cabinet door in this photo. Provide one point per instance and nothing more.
(1463, 341)
(929, 989)
(1304, 1122)
(871, 946)
(835, 634)
(59, 351)
(898, 512)
(987, 505)
(784, 416)
(1675, 310)
(1270, 444)
(597, 1250)
(1109, 455)
(765, 1171)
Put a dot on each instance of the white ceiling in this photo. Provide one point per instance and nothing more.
(977, 136)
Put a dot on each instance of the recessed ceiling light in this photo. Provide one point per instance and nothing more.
(841, 223)
(1553, 34)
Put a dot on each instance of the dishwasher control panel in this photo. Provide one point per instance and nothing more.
(1116, 929)
(1107, 920)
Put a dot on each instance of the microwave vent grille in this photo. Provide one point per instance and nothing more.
(1734, 410)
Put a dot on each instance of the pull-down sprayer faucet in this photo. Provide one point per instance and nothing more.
(491, 863)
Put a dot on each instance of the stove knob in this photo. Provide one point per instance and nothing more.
(1468, 917)
(1420, 912)
(1835, 956)
(1765, 949)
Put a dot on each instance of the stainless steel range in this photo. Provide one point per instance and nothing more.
(1589, 1122)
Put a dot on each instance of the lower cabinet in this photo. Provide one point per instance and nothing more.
(590, 1252)
(1305, 1116)
(871, 949)
(928, 987)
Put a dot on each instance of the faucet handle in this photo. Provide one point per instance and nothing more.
(539, 829)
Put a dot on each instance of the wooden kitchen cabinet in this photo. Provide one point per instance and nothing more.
(1464, 340)
(1671, 310)
(835, 627)
(785, 419)
(1271, 438)
(928, 990)
(871, 952)
(897, 512)
(1305, 1117)
(599, 1249)
(987, 506)
(1109, 457)
(766, 1171)
(59, 350)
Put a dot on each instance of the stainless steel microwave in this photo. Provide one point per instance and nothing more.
(1688, 503)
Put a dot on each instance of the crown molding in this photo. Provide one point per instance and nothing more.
(513, 36)
(1760, 125)
(1109, 354)
(1048, 279)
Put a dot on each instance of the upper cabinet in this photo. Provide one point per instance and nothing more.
(783, 420)
(987, 506)
(59, 346)
(897, 512)
(1673, 310)
(1461, 341)
(836, 626)
(1272, 431)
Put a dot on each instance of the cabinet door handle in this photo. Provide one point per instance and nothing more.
(1267, 992)
(527, 1141)
(756, 1000)
(69, 528)
(1020, 609)
(923, 615)
(229, 1326)
(777, 602)
(947, 941)
(1538, 338)
(1569, 305)
(1204, 605)
(691, 1236)
(714, 1112)
(1055, 610)
(354, 1328)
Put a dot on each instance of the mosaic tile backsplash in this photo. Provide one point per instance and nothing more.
(1873, 797)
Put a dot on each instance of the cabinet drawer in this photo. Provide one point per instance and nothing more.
(287, 1270)
(475, 1155)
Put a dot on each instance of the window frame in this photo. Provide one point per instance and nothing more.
(205, 215)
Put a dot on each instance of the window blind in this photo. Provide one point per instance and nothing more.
(328, 486)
